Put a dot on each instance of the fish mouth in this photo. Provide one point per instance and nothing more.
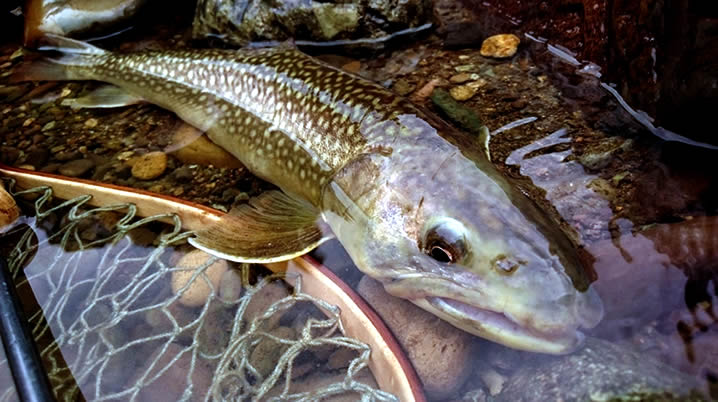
(500, 328)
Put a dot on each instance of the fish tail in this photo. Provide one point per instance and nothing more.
(67, 53)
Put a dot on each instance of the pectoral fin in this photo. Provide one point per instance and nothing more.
(108, 96)
(270, 228)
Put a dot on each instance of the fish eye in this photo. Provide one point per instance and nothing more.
(445, 241)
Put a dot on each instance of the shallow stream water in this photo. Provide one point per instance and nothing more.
(641, 210)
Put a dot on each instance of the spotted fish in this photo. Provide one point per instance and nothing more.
(415, 203)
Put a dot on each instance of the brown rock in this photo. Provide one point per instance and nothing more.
(463, 77)
(149, 166)
(76, 168)
(500, 46)
(266, 354)
(261, 301)
(191, 147)
(173, 382)
(198, 291)
(441, 354)
(403, 87)
(463, 92)
(9, 211)
(352, 67)
(318, 380)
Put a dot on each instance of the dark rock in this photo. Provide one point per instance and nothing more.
(37, 157)
(65, 156)
(8, 155)
(240, 22)
(183, 174)
(464, 35)
(76, 168)
(51, 168)
(661, 54)
(600, 370)
(460, 114)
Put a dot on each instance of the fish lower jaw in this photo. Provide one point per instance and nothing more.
(497, 327)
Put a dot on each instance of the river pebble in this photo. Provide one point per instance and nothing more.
(230, 286)
(266, 354)
(463, 77)
(599, 371)
(76, 168)
(441, 354)
(262, 300)
(9, 211)
(172, 384)
(191, 147)
(500, 46)
(463, 92)
(198, 291)
(149, 166)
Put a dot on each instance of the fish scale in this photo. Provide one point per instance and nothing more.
(277, 110)
(416, 204)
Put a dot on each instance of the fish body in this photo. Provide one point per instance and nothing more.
(71, 17)
(412, 200)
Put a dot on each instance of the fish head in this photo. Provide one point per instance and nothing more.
(456, 239)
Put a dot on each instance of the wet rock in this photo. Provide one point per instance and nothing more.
(464, 116)
(441, 354)
(462, 92)
(8, 155)
(462, 78)
(51, 167)
(37, 157)
(91, 123)
(426, 90)
(239, 22)
(230, 286)
(320, 380)
(266, 354)
(352, 67)
(262, 300)
(142, 236)
(463, 35)
(64, 156)
(183, 174)
(172, 383)
(403, 87)
(76, 168)
(198, 291)
(198, 149)
(149, 166)
(9, 211)
(500, 46)
(600, 370)
(341, 358)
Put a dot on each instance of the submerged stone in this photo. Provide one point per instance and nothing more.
(459, 114)
(241, 22)
(600, 371)
(500, 46)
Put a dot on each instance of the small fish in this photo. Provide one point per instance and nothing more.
(416, 206)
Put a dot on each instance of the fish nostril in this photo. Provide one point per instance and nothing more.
(506, 265)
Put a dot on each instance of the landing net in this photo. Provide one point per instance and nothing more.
(110, 327)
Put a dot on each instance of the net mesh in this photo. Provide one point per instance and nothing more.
(112, 323)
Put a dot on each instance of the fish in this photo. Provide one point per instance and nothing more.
(415, 202)
(72, 17)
